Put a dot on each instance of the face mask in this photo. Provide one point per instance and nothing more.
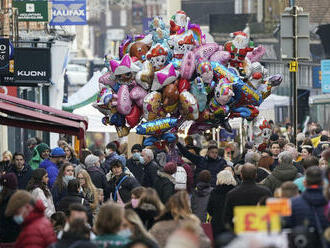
(67, 178)
(141, 160)
(18, 219)
(1, 188)
(135, 203)
(136, 156)
(126, 233)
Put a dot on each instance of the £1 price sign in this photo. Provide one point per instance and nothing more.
(255, 219)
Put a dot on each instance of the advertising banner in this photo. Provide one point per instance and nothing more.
(4, 56)
(32, 10)
(325, 74)
(68, 12)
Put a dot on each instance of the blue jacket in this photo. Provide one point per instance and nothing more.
(23, 176)
(214, 166)
(113, 156)
(52, 171)
(302, 209)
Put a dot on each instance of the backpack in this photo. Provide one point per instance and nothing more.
(180, 178)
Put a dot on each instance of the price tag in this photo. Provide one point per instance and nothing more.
(255, 219)
(280, 206)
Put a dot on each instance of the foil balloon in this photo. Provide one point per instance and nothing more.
(222, 57)
(133, 118)
(164, 77)
(106, 98)
(205, 51)
(145, 76)
(107, 79)
(256, 54)
(220, 71)
(152, 106)
(124, 105)
(199, 92)
(188, 106)
(261, 131)
(188, 65)
(137, 94)
(171, 98)
(156, 127)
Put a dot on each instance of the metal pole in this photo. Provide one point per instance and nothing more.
(295, 74)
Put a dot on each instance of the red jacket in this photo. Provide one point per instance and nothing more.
(37, 230)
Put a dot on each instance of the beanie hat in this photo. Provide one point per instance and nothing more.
(136, 147)
(91, 160)
(42, 147)
(9, 180)
(170, 168)
(57, 152)
(18, 200)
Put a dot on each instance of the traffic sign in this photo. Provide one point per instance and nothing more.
(325, 70)
(293, 66)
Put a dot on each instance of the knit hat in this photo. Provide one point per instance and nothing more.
(18, 200)
(42, 147)
(136, 147)
(9, 180)
(170, 168)
(57, 152)
(91, 160)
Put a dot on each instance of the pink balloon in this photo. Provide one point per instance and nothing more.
(124, 103)
(138, 94)
(205, 51)
(188, 65)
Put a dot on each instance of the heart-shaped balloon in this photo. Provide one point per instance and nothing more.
(124, 102)
(133, 118)
(138, 94)
(183, 85)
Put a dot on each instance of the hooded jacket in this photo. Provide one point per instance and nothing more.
(199, 200)
(23, 176)
(113, 156)
(214, 166)
(51, 169)
(37, 230)
(164, 185)
(281, 173)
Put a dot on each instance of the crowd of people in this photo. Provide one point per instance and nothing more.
(177, 195)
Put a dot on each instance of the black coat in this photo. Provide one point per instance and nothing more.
(4, 166)
(125, 187)
(150, 174)
(199, 199)
(262, 174)
(9, 230)
(73, 240)
(216, 207)
(164, 185)
(136, 168)
(99, 180)
(273, 166)
(214, 166)
(147, 213)
(246, 194)
(23, 176)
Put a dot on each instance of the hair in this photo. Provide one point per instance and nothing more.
(324, 138)
(73, 153)
(80, 229)
(310, 161)
(112, 146)
(314, 176)
(149, 153)
(89, 187)
(150, 196)
(308, 148)
(211, 147)
(59, 219)
(189, 140)
(225, 177)
(98, 153)
(265, 162)
(178, 205)
(274, 143)
(83, 154)
(116, 163)
(7, 153)
(285, 157)
(18, 154)
(139, 229)
(307, 142)
(62, 142)
(77, 207)
(282, 142)
(204, 176)
(138, 191)
(59, 179)
(248, 172)
(73, 186)
(252, 157)
(289, 189)
(109, 219)
(36, 181)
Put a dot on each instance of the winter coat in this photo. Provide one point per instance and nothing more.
(274, 165)
(37, 231)
(9, 230)
(51, 169)
(23, 176)
(166, 225)
(262, 173)
(136, 168)
(199, 199)
(246, 194)
(74, 161)
(125, 187)
(214, 166)
(164, 185)
(4, 166)
(110, 241)
(147, 213)
(190, 177)
(113, 156)
(58, 194)
(216, 207)
(38, 193)
(73, 240)
(150, 174)
(282, 173)
(99, 180)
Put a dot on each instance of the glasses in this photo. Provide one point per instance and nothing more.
(81, 178)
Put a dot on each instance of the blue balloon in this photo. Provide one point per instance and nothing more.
(156, 127)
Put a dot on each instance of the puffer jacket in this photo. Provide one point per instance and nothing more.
(164, 185)
(37, 230)
(281, 173)
(199, 200)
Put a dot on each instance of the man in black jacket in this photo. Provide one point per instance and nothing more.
(246, 194)
(164, 183)
(21, 169)
(134, 164)
(211, 162)
(150, 167)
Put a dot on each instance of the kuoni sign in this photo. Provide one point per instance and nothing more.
(255, 219)
(68, 12)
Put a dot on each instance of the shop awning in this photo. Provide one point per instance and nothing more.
(30, 115)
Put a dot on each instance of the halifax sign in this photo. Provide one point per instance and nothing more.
(68, 12)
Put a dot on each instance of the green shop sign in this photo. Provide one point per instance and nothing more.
(32, 10)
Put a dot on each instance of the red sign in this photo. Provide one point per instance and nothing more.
(9, 90)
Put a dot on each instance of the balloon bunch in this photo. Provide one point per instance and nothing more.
(172, 75)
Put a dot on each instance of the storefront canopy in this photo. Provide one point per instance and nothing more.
(25, 114)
